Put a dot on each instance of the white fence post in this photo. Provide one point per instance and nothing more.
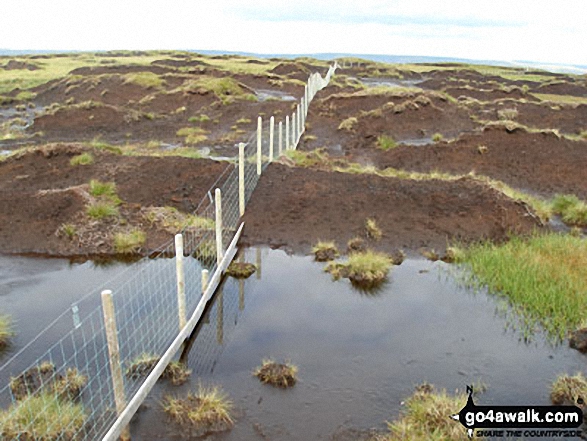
(114, 356)
(271, 136)
(219, 249)
(287, 132)
(303, 116)
(299, 133)
(259, 145)
(180, 276)
(280, 137)
(294, 120)
(305, 100)
(241, 178)
(205, 275)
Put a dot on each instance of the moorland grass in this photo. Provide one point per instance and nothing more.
(571, 209)
(385, 142)
(82, 159)
(543, 277)
(129, 242)
(98, 188)
(6, 331)
(373, 230)
(426, 417)
(325, 251)
(567, 389)
(148, 80)
(282, 375)
(207, 409)
(43, 416)
(365, 269)
(174, 220)
(102, 210)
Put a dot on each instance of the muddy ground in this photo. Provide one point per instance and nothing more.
(449, 118)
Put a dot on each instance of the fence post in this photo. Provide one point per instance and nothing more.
(287, 132)
(271, 136)
(294, 120)
(204, 280)
(303, 116)
(280, 137)
(180, 276)
(259, 144)
(219, 248)
(299, 124)
(114, 356)
(305, 100)
(241, 178)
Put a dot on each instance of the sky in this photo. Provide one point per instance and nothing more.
(551, 31)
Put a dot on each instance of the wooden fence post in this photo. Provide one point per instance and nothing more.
(114, 356)
(271, 136)
(219, 248)
(180, 276)
(241, 178)
(294, 120)
(280, 137)
(287, 132)
(205, 277)
(259, 145)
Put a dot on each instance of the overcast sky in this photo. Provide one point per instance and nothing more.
(536, 30)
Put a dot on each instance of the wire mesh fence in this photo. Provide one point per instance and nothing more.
(75, 386)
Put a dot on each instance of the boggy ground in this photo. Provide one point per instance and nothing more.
(294, 207)
(41, 191)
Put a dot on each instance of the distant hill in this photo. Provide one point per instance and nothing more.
(401, 59)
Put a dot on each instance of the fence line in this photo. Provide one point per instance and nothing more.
(143, 309)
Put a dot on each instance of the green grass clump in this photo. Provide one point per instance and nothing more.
(129, 242)
(145, 79)
(373, 230)
(83, 159)
(365, 269)
(307, 159)
(193, 135)
(437, 137)
(543, 277)
(240, 270)
(102, 210)
(571, 209)
(199, 118)
(5, 330)
(282, 375)
(174, 220)
(206, 410)
(42, 417)
(426, 417)
(97, 188)
(325, 251)
(385, 142)
(566, 389)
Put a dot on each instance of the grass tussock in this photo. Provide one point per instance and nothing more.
(129, 242)
(566, 389)
(193, 135)
(348, 124)
(174, 220)
(207, 410)
(307, 159)
(325, 251)
(102, 210)
(437, 137)
(373, 230)
(385, 142)
(148, 80)
(44, 416)
(356, 244)
(70, 385)
(178, 373)
(427, 417)
(543, 277)
(241, 270)
(83, 159)
(365, 269)
(282, 375)
(571, 209)
(6, 331)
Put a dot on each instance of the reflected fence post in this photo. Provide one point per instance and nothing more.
(219, 248)
(259, 145)
(180, 276)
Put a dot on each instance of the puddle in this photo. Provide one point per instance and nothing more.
(5, 152)
(359, 356)
(416, 141)
(267, 94)
(388, 82)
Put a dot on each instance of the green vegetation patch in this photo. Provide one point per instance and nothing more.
(6, 331)
(193, 135)
(42, 417)
(385, 142)
(365, 269)
(426, 417)
(148, 80)
(206, 410)
(241, 270)
(281, 375)
(226, 89)
(174, 220)
(325, 251)
(129, 242)
(178, 373)
(543, 277)
(566, 389)
(561, 99)
(571, 209)
(82, 159)
(102, 210)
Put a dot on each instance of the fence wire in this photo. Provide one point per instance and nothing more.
(65, 391)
